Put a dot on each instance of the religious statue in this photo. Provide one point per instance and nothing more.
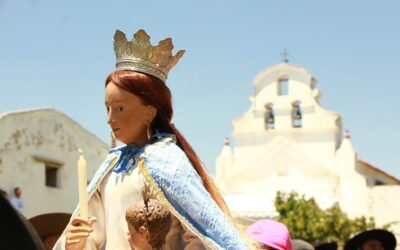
(154, 155)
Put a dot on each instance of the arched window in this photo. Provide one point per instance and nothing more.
(283, 86)
(296, 115)
(269, 117)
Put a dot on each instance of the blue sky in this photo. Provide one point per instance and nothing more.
(58, 54)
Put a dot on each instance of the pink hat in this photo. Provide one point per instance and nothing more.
(271, 233)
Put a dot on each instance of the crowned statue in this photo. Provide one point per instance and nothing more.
(154, 158)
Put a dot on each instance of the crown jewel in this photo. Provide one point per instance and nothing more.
(139, 55)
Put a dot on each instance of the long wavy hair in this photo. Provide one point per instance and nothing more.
(153, 91)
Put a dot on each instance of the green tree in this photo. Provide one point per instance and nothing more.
(306, 220)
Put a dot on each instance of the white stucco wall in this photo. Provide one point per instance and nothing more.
(30, 138)
(385, 206)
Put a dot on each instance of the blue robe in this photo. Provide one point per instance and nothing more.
(169, 172)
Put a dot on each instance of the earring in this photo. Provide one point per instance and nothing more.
(148, 131)
(112, 136)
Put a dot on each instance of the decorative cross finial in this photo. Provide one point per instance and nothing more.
(285, 55)
(347, 134)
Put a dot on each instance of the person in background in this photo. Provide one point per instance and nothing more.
(298, 244)
(326, 246)
(15, 231)
(17, 200)
(49, 227)
(270, 234)
(375, 239)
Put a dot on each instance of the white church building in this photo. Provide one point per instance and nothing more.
(39, 154)
(287, 142)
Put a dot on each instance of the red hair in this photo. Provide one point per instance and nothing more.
(152, 91)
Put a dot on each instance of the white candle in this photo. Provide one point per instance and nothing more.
(82, 186)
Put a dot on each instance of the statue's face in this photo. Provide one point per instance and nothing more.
(128, 117)
(138, 240)
(372, 245)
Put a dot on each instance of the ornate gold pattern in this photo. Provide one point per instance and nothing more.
(161, 197)
(139, 55)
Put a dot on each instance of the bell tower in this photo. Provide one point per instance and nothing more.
(284, 108)
(286, 99)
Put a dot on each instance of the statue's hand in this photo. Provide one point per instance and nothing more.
(78, 233)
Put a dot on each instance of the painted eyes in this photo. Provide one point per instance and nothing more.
(120, 109)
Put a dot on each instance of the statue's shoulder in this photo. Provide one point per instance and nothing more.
(166, 158)
(166, 148)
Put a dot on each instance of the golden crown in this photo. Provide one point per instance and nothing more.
(139, 55)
